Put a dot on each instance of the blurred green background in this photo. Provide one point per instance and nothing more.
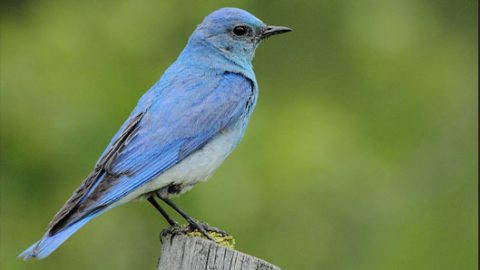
(361, 153)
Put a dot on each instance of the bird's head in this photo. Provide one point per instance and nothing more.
(235, 33)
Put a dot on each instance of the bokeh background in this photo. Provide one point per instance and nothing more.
(361, 153)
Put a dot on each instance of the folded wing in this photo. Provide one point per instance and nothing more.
(182, 121)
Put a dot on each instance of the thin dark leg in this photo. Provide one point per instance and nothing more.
(194, 223)
(163, 212)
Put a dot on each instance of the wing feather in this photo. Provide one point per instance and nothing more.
(179, 122)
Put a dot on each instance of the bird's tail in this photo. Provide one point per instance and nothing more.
(49, 243)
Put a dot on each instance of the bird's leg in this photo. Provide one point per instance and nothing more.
(170, 220)
(193, 223)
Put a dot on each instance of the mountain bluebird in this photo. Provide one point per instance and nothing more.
(181, 130)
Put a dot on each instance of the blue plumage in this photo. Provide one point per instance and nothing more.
(181, 129)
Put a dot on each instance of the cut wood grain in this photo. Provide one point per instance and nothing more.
(182, 252)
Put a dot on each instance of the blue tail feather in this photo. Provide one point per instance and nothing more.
(49, 243)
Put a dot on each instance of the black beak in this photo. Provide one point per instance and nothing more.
(274, 30)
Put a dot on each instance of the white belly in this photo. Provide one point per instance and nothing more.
(196, 167)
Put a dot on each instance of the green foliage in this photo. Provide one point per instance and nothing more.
(361, 154)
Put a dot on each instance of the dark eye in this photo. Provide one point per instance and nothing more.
(240, 30)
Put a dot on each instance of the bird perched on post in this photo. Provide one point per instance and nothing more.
(181, 130)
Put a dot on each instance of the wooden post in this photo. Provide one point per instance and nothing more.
(182, 252)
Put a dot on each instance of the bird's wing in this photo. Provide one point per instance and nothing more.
(153, 140)
(98, 173)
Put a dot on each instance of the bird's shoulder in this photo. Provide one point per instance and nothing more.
(191, 95)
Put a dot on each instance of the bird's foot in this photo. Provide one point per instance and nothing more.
(212, 233)
(173, 230)
(192, 229)
(210, 229)
(206, 230)
(199, 229)
(196, 225)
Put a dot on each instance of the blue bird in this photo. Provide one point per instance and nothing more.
(179, 133)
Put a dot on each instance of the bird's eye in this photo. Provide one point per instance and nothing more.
(240, 30)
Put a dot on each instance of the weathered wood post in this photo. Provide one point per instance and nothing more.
(181, 252)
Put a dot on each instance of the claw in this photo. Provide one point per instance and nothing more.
(209, 228)
(195, 225)
(172, 230)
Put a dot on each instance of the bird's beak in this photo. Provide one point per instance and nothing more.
(274, 30)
